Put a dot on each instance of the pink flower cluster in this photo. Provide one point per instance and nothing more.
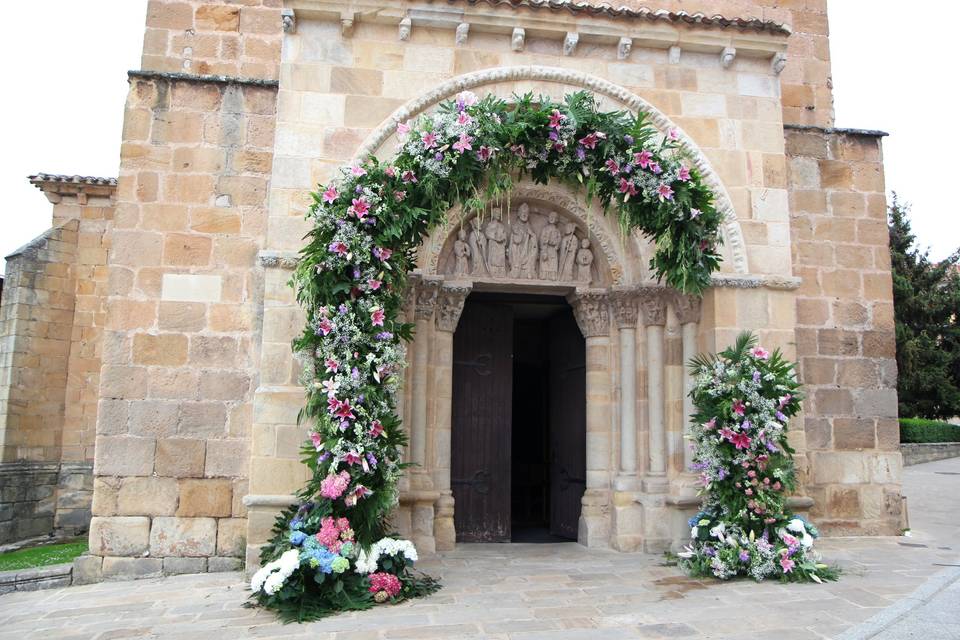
(333, 533)
(387, 582)
(334, 485)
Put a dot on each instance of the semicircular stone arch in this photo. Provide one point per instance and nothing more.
(733, 249)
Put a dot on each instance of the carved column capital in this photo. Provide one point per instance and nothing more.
(688, 308)
(625, 302)
(591, 310)
(653, 302)
(426, 296)
(450, 300)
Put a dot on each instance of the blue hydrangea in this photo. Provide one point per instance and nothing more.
(320, 558)
(297, 538)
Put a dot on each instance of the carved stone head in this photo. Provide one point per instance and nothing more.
(524, 212)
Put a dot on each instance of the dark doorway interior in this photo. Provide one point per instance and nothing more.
(519, 416)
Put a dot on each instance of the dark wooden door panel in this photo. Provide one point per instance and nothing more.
(568, 422)
(482, 405)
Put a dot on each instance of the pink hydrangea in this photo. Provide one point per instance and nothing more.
(388, 582)
(334, 485)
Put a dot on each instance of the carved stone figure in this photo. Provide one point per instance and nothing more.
(568, 251)
(478, 248)
(522, 250)
(461, 252)
(496, 235)
(549, 248)
(584, 261)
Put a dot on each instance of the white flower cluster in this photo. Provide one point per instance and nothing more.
(367, 563)
(271, 576)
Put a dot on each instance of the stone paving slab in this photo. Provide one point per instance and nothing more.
(561, 592)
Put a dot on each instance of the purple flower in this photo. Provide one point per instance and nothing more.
(342, 309)
(438, 157)
(372, 459)
(357, 273)
(385, 335)
(710, 551)
(627, 168)
(360, 399)
(355, 373)
(781, 417)
(721, 474)
(746, 425)
(756, 376)
(581, 153)
(553, 135)
(744, 556)
(628, 139)
(358, 189)
(324, 456)
(344, 425)
(772, 448)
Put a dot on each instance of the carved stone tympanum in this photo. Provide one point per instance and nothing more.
(532, 244)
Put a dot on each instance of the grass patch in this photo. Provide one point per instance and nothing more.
(41, 556)
(919, 430)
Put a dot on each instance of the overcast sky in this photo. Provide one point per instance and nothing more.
(65, 85)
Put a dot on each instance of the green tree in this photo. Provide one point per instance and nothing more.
(926, 298)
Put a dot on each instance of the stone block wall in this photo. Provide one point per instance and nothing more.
(845, 329)
(181, 349)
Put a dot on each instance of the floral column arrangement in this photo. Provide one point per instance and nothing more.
(744, 398)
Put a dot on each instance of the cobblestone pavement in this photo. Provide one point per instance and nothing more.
(560, 592)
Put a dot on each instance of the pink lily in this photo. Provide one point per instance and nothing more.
(374, 284)
(358, 171)
(332, 365)
(325, 326)
(612, 166)
(377, 316)
(360, 208)
(391, 171)
(738, 407)
(344, 410)
(403, 129)
(642, 159)
(409, 176)
(351, 457)
(429, 140)
(399, 196)
(556, 119)
(484, 153)
(694, 214)
(656, 168)
(464, 118)
(339, 247)
(740, 441)
(665, 192)
(330, 195)
(376, 429)
(317, 440)
(760, 352)
(683, 175)
(673, 134)
(383, 254)
(463, 144)
(590, 140)
(627, 187)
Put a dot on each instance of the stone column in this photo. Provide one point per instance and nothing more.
(654, 318)
(625, 303)
(450, 301)
(590, 307)
(688, 314)
(426, 302)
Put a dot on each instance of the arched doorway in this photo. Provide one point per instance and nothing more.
(519, 419)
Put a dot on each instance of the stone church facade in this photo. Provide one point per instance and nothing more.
(147, 383)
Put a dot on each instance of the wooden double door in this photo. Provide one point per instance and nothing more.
(519, 419)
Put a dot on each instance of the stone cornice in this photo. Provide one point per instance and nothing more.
(55, 187)
(869, 133)
(192, 77)
(660, 30)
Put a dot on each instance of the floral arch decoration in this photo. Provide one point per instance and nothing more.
(331, 552)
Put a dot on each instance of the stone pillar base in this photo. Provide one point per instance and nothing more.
(593, 528)
(657, 534)
(421, 508)
(626, 522)
(443, 528)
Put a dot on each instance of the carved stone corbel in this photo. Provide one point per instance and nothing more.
(450, 301)
(570, 43)
(518, 38)
(687, 307)
(625, 303)
(778, 62)
(727, 57)
(673, 55)
(591, 310)
(623, 48)
(463, 30)
(289, 20)
(404, 30)
(347, 19)
(654, 305)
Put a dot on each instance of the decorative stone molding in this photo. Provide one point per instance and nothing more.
(654, 305)
(673, 54)
(778, 62)
(278, 259)
(727, 56)
(623, 48)
(463, 30)
(426, 296)
(450, 300)
(624, 301)
(570, 42)
(687, 308)
(174, 76)
(289, 20)
(732, 234)
(591, 310)
(781, 283)
(517, 39)
(404, 31)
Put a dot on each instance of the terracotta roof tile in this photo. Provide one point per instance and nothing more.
(662, 15)
(78, 180)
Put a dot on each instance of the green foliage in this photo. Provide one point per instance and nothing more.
(919, 430)
(42, 556)
(926, 298)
